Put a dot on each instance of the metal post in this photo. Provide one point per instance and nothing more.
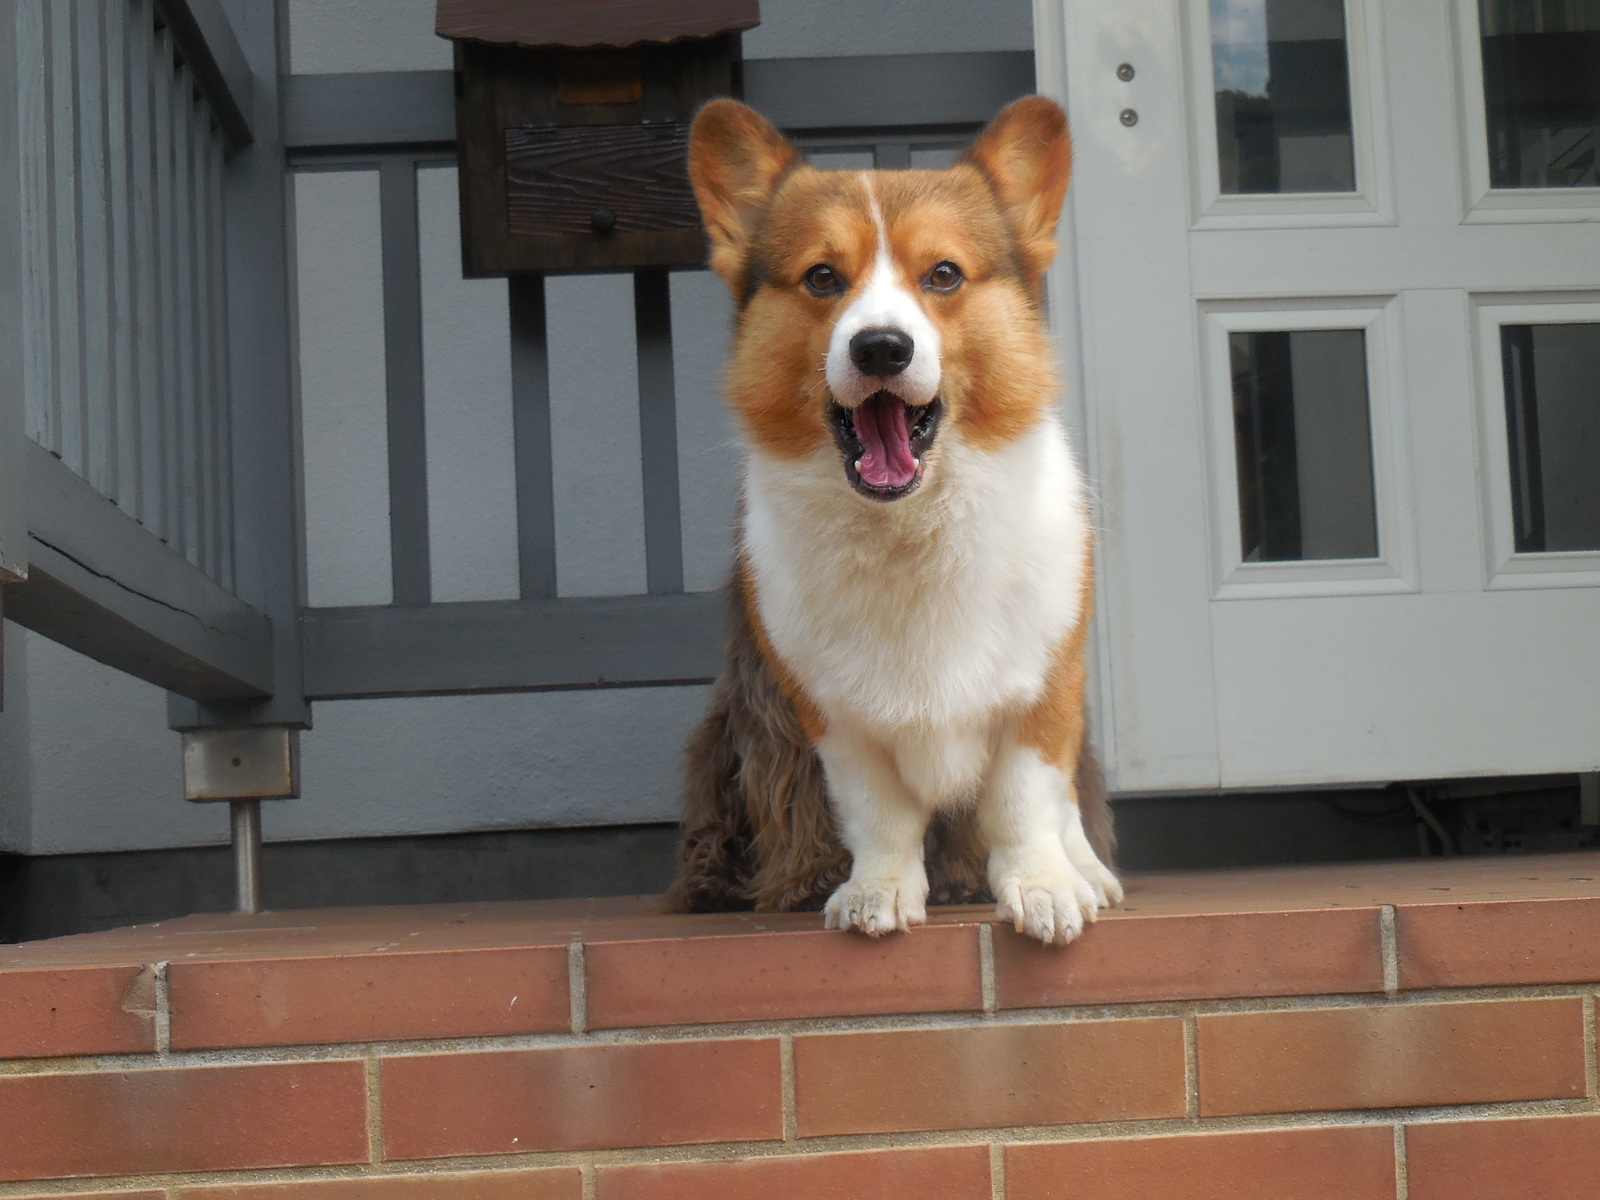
(246, 816)
(244, 767)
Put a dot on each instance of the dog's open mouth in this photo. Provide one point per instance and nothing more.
(885, 441)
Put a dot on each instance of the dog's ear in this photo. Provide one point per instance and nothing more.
(1026, 154)
(736, 159)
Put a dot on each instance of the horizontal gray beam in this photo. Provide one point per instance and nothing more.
(511, 646)
(373, 108)
(102, 584)
(417, 108)
(887, 89)
(208, 45)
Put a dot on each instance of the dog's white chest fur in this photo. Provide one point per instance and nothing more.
(923, 623)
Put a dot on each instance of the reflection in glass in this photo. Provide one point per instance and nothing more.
(1541, 91)
(1282, 80)
(1552, 382)
(1303, 444)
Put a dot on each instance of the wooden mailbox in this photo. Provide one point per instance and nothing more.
(572, 124)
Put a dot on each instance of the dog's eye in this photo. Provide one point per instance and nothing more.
(946, 277)
(823, 280)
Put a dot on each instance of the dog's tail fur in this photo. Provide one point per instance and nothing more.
(757, 828)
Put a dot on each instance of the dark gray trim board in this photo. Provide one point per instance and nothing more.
(49, 896)
(511, 645)
(102, 584)
(206, 40)
(370, 108)
(887, 89)
(13, 517)
(417, 108)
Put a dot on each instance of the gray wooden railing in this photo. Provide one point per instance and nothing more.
(125, 323)
(130, 130)
(880, 109)
(144, 158)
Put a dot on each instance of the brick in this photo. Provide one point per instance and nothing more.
(190, 1119)
(1390, 1056)
(99, 1196)
(930, 1173)
(582, 1098)
(1498, 943)
(565, 1183)
(1347, 1163)
(1121, 959)
(369, 997)
(1548, 1158)
(771, 976)
(988, 1076)
(52, 1012)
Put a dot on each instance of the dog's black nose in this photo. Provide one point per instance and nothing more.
(881, 351)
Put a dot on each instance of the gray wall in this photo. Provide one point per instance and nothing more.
(87, 757)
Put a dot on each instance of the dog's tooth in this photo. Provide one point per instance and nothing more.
(858, 466)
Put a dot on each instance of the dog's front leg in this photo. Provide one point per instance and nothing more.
(1029, 814)
(882, 826)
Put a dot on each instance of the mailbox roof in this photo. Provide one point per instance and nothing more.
(592, 22)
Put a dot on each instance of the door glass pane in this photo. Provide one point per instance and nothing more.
(1552, 381)
(1281, 75)
(1541, 91)
(1303, 443)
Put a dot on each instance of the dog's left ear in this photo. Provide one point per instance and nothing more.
(736, 159)
(1026, 154)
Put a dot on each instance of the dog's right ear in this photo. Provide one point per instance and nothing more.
(736, 159)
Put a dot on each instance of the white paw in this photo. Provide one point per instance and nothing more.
(1107, 888)
(876, 906)
(1051, 908)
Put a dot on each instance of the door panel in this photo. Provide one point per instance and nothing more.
(1397, 621)
(1327, 690)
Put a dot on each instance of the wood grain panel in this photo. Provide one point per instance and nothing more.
(557, 178)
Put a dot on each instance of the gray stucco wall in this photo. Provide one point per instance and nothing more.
(88, 761)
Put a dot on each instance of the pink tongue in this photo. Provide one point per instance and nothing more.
(886, 458)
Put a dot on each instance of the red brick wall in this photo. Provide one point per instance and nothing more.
(1430, 1052)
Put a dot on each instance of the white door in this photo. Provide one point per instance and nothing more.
(1333, 280)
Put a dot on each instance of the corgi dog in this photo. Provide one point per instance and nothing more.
(901, 708)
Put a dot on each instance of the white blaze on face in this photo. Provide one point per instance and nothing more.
(884, 302)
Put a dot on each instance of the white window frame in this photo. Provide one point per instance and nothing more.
(1504, 567)
(1485, 204)
(1372, 203)
(1395, 568)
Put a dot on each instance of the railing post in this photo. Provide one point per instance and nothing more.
(247, 751)
(13, 517)
(269, 567)
(658, 432)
